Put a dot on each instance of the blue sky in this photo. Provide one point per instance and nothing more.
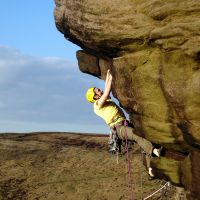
(41, 87)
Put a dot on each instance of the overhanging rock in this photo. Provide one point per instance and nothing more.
(153, 50)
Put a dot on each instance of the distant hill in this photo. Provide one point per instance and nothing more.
(67, 166)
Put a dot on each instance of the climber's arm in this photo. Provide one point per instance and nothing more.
(108, 83)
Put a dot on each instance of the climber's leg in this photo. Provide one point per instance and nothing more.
(142, 142)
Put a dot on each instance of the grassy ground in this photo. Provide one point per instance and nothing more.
(61, 166)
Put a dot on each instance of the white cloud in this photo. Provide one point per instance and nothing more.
(44, 93)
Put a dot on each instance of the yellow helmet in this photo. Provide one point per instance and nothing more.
(90, 95)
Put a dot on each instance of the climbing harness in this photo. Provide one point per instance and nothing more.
(113, 142)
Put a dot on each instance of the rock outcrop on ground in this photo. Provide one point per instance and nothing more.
(152, 48)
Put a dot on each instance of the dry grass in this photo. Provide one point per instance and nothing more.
(61, 166)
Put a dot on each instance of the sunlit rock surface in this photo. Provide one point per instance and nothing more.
(153, 50)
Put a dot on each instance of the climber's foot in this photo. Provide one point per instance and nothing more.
(157, 152)
(150, 172)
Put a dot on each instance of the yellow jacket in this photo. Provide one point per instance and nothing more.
(110, 112)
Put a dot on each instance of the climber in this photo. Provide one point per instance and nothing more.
(116, 120)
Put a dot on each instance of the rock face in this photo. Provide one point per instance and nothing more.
(152, 48)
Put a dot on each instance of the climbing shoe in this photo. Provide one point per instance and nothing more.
(157, 152)
(150, 172)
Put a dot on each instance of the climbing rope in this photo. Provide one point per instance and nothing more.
(117, 157)
(128, 166)
(141, 175)
(167, 184)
